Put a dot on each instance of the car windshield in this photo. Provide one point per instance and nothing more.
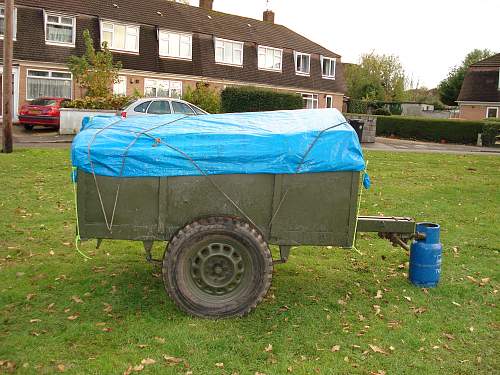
(42, 101)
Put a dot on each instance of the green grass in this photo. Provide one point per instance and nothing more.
(321, 298)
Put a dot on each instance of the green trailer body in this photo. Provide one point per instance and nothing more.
(283, 209)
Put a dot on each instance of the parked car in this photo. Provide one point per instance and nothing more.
(41, 111)
(161, 106)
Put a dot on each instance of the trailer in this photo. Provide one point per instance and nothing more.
(218, 226)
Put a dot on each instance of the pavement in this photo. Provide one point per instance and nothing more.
(50, 138)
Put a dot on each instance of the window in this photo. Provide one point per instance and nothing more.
(228, 52)
(41, 83)
(302, 63)
(142, 108)
(492, 112)
(310, 101)
(270, 58)
(329, 101)
(328, 67)
(120, 37)
(162, 88)
(2, 21)
(60, 29)
(120, 87)
(176, 45)
(159, 107)
(182, 108)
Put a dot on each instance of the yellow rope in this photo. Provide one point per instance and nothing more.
(360, 194)
(77, 237)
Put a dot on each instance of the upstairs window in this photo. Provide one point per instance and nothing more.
(177, 45)
(2, 21)
(60, 29)
(328, 67)
(228, 52)
(302, 63)
(270, 58)
(120, 37)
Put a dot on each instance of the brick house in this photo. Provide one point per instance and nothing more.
(480, 94)
(165, 47)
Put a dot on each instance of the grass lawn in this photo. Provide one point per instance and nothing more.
(330, 311)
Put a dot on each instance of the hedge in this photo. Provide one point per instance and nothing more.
(113, 102)
(254, 99)
(426, 129)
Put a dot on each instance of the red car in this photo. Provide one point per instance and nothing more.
(41, 111)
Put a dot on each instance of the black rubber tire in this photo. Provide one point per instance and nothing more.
(177, 255)
(28, 126)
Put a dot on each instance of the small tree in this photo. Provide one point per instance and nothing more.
(204, 97)
(95, 70)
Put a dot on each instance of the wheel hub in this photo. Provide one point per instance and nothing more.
(217, 268)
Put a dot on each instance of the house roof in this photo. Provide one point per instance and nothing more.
(491, 62)
(481, 82)
(176, 16)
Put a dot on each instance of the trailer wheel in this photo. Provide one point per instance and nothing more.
(217, 267)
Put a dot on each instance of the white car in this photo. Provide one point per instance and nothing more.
(160, 106)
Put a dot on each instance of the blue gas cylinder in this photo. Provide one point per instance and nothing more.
(425, 256)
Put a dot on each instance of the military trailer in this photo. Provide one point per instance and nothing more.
(176, 179)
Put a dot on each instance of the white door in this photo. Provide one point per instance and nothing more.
(15, 91)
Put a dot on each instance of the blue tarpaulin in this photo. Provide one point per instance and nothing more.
(301, 141)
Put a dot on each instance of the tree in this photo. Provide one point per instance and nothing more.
(95, 70)
(449, 88)
(377, 77)
(204, 97)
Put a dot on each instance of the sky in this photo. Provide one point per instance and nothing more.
(429, 36)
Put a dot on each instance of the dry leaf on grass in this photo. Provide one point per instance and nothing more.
(61, 367)
(73, 317)
(35, 320)
(76, 299)
(219, 365)
(268, 348)
(107, 307)
(160, 340)
(172, 360)
(138, 368)
(30, 296)
(148, 361)
(377, 349)
(379, 294)
(335, 348)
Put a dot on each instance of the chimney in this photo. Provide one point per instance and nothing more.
(207, 4)
(268, 16)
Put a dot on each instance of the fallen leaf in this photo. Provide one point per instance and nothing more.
(378, 372)
(51, 252)
(172, 360)
(456, 304)
(377, 309)
(76, 299)
(148, 361)
(35, 320)
(268, 348)
(73, 317)
(377, 349)
(379, 294)
(449, 336)
(160, 340)
(138, 368)
(473, 279)
(335, 348)
(289, 369)
(30, 296)
(407, 298)
(107, 307)
(61, 368)
(107, 329)
(142, 346)
(471, 329)
(219, 365)
(259, 373)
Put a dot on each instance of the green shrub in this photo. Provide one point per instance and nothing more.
(204, 97)
(491, 130)
(254, 99)
(382, 112)
(358, 106)
(425, 129)
(114, 102)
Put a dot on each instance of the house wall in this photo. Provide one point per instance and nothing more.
(475, 111)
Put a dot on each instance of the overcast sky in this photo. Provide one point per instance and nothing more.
(429, 36)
